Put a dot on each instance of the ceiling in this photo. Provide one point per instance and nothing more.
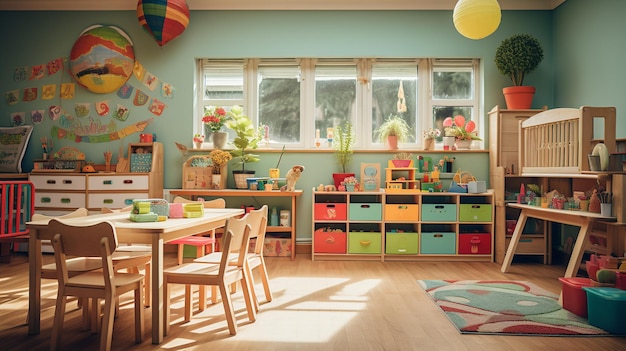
(51, 5)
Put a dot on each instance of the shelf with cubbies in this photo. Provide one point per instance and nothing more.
(402, 225)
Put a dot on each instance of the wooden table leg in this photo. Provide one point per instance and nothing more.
(34, 281)
(517, 233)
(578, 250)
(157, 290)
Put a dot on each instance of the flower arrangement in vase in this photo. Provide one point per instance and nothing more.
(219, 159)
(214, 119)
(429, 138)
(351, 183)
(198, 139)
(464, 133)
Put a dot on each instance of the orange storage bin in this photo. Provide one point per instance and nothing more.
(401, 212)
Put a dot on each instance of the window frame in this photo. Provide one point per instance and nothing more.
(363, 116)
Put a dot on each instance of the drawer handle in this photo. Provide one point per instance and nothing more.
(67, 181)
(128, 181)
(366, 243)
(438, 235)
(365, 206)
(51, 181)
(46, 200)
(128, 202)
(401, 250)
(108, 201)
(330, 240)
(475, 206)
(330, 206)
(65, 200)
(440, 206)
(402, 207)
(107, 182)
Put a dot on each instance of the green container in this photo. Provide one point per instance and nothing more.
(475, 212)
(401, 243)
(364, 242)
(365, 212)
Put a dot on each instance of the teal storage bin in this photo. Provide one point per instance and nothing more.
(438, 243)
(606, 308)
(365, 212)
(475, 212)
(438, 212)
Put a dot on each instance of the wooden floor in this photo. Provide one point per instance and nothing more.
(321, 305)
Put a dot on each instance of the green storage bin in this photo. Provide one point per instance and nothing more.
(438, 243)
(365, 212)
(475, 212)
(438, 212)
(364, 242)
(401, 243)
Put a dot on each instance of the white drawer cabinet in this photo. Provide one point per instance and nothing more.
(114, 200)
(58, 182)
(59, 200)
(108, 182)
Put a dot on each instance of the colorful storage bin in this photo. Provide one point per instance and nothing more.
(439, 243)
(574, 297)
(330, 242)
(364, 242)
(401, 243)
(365, 212)
(331, 211)
(401, 212)
(475, 212)
(475, 243)
(606, 308)
(438, 212)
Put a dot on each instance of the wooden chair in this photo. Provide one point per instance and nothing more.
(96, 241)
(204, 245)
(258, 223)
(221, 275)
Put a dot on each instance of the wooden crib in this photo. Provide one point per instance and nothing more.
(557, 141)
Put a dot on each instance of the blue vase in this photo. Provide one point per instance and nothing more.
(349, 187)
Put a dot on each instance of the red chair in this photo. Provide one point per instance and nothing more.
(17, 206)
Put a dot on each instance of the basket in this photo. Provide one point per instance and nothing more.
(463, 177)
(196, 176)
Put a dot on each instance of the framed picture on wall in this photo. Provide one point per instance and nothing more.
(370, 176)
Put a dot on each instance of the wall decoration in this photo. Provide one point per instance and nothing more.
(163, 19)
(37, 116)
(150, 81)
(54, 66)
(54, 112)
(370, 176)
(48, 91)
(125, 91)
(12, 97)
(20, 74)
(121, 112)
(156, 107)
(30, 94)
(67, 90)
(167, 90)
(37, 72)
(140, 98)
(18, 118)
(102, 108)
(82, 109)
(102, 59)
(13, 143)
(61, 133)
(139, 71)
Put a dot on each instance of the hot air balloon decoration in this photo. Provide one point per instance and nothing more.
(163, 19)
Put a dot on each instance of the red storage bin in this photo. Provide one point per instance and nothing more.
(330, 242)
(475, 243)
(331, 211)
(574, 297)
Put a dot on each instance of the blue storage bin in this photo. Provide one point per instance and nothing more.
(606, 308)
(438, 212)
(365, 212)
(438, 243)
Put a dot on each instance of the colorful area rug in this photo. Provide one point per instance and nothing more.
(505, 307)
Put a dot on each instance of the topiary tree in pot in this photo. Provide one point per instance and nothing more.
(517, 56)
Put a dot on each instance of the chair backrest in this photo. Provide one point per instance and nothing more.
(79, 212)
(96, 240)
(241, 229)
(215, 203)
(258, 223)
(110, 210)
(17, 205)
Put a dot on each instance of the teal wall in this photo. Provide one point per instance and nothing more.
(32, 38)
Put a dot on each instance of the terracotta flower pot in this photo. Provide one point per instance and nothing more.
(518, 97)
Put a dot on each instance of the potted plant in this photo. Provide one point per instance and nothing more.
(402, 159)
(463, 133)
(214, 119)
(343, 144)
(219, 159)
(247, 138)
(517, 56)
(430, 135)
(393, 131)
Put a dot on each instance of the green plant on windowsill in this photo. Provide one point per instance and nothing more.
(393, 131)
(343, 144)
(247, 137)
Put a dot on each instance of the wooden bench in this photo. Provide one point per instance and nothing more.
(17, 205)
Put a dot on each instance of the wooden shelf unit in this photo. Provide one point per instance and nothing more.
(408, 226)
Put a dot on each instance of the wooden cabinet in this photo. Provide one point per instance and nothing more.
(66, 191)
(402, 225)
(281, 239)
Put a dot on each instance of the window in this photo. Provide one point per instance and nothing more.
(295, 98)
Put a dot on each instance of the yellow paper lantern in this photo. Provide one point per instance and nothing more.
(476, 19)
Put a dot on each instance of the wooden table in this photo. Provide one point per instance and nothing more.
(580, 219)
(193, 194)
(154, 233)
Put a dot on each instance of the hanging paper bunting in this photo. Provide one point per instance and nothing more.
(37, 116)
(48, 91)
(102, 108)
(37, 72)
(151, 81)
(54, 112)
(156, 107)
(140, 98)
(67, 90)
(82, 109)
(17, 119)
(12, 97)
(121, 113)
(30, 94)
(163, 19)
(139, 71)
(54, 66)
(20, 73)
(61, 133)
(167, 90)
(125, 91)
